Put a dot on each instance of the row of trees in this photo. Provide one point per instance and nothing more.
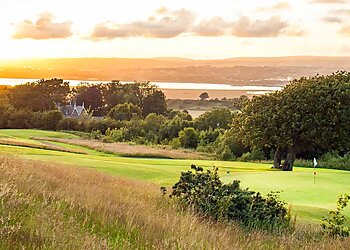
(43, 95)
(308, 118)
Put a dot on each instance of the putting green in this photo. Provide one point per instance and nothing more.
(309, 201)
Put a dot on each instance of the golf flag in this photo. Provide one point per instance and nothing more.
(315, 164)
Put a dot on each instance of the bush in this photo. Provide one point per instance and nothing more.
(50, 119)
(254, 155)
(188, 138)
(20, 119)
(124, 112)
(69, 124)
(116, 135)
(175, 143)
(226, 154)
(334, 225)
(205, 192)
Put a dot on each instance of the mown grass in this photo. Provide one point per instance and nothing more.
(45, 205)
(309, 201)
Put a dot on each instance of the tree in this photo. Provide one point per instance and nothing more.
(51, 119)
(310, 114)
(39, 96)
(204, 96)
(3, 95)
(154, 103)
(143, 94)
(217, 118)
(188, 138)
(91, 96)
(124, 112)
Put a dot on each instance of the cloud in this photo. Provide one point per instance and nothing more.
(340, 12)
(330, 1)
(213, 27)
(43, 28)
(293, 31)
(345, 30)
(165, 24)
(275, 7)
(168, 24)
(244, 27)
(332, 19)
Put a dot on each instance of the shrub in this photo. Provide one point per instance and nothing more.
(124, 112)
(50, 119)
(69, 124)
(334, 224)
(175, 143)
(226, 154)
(205, 192)
(20, 119)
(116, 135)
(188, 138)
(254, 155)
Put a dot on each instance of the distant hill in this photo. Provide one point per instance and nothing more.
(238, 71)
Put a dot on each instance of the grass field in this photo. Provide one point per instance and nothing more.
(309, 201)
(53, 206)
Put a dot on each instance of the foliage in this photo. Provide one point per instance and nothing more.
(334, 224)
(205, 192)
(124, 112)
(91, 96)
(254, 155)
(4, 102)
(331, 160)
(51, 119)
(188, 138)
(217, 118)
(154, 103)
(39, 96)
(204, 96)
(310, 114)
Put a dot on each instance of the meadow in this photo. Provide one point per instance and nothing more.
(309, 201)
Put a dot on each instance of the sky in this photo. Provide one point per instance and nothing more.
(173, 28)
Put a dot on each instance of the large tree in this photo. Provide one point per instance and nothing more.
(310, 114)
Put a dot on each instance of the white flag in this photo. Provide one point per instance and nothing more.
(315, 162)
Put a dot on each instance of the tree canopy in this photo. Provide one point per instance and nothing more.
(39, 96)
(310, 114)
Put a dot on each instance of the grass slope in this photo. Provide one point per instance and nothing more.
(52, 206)
(310, 201)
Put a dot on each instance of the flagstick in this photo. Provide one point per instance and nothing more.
(315, 163)
(314, 178)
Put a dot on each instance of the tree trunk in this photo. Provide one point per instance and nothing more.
(289, 162)
(277, 159)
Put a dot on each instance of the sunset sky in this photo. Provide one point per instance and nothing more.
(173, 28)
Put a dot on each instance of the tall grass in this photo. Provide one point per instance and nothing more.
(59, 207)
(133, 150)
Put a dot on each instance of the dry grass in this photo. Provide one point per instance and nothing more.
(44, 145)
(129, 150)
(59, 207)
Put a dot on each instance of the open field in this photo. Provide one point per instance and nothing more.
(310, 201)
(53, 206)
